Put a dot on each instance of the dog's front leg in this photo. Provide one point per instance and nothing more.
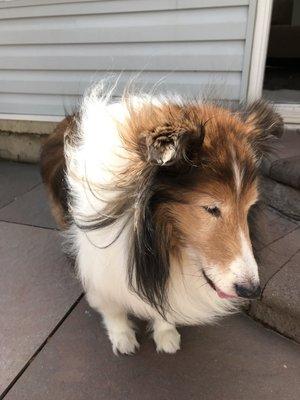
(119, 328)
(166, 336)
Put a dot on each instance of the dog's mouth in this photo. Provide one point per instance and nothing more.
(219, 292)
(209, 281)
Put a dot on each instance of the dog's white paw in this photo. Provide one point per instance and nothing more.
(124, 342)
(167, 341)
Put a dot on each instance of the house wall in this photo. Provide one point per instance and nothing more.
(51, 50)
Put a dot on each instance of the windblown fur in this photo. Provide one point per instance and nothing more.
(53, 170)
(158, 191)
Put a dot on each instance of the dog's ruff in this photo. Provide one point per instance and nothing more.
(95, 159)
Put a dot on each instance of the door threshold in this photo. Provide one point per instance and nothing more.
(290, 112)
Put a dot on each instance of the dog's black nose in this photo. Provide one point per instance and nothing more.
(252, 291)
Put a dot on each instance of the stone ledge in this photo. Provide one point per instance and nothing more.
(286, 171)
(280, 321)
(279, 306)
(282, 197)
(23, 147)
(30, 127)
(21, 140)
(284, 165)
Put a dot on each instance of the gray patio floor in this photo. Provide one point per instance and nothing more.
(53, 346)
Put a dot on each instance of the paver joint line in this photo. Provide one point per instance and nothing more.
(277, 271)
(74, 308)
(54, 330)
(20, 195)
(281, 237)
(29, 225)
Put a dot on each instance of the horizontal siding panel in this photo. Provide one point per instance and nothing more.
(224, 85)
(36, 104)
(176, 25)
(45, 8)
(52, 50)
(192, 56)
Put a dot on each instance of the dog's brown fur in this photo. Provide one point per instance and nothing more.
(183, 160)
(150, 131)
(53, 168)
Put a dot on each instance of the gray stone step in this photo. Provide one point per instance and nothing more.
(277, 248)
(287, 171)
(281, 197)
(280, 186)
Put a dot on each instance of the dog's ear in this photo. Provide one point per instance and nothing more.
(168, 145)
(264, 125)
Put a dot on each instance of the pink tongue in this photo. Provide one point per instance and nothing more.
(224, 295)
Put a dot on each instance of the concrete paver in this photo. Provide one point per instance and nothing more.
(36, 291)
(236, 359)
(16, 179)
(31, 208)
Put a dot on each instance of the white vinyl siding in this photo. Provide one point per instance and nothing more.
(51, 50)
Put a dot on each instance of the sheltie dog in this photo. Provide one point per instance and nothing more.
(154, 194)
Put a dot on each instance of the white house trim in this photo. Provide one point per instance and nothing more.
(259, 49)
(248, 48)
(289, 112)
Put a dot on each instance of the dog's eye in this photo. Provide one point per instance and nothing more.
(215, 211)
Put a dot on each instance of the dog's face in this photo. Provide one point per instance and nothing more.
(213, 214)
(199, 165)
(214, 222)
